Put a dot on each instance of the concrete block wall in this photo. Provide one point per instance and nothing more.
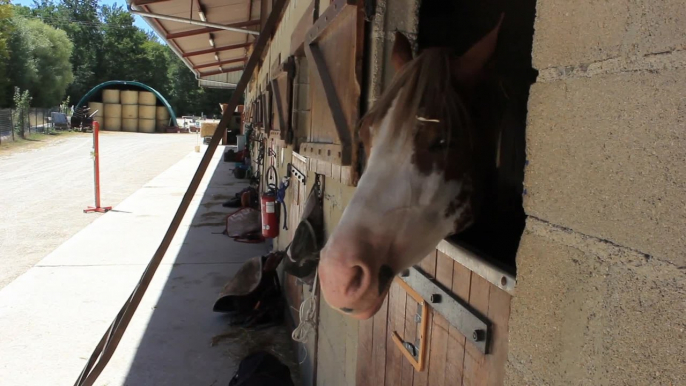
(601, 292)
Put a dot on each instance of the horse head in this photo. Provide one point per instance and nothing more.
(421, 179)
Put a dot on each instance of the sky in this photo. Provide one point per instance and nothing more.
(139, 20)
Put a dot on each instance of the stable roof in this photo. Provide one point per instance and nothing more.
(216, 56)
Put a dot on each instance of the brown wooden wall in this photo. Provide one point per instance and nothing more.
(450, 360)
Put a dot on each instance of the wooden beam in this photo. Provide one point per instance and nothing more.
(200, 31)
(223, 62)
(223, 71)
(217, 49)
(263, 12)
(146, 2)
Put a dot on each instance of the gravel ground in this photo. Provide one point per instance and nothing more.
(44, 190)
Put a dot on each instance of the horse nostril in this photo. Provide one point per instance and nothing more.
(356, 280)
(386, 274)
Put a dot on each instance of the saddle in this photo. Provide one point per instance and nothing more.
(252, 298)
(308, 239)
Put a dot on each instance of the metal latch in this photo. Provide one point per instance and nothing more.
(460, 315)
(300, 176)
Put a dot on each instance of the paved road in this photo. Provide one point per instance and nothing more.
(43, 191)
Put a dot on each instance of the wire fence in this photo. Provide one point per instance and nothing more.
(35, 120)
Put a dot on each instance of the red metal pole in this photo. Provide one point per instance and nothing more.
(96, 166)
(96, 162)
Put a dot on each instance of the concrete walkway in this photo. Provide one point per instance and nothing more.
(52, 316)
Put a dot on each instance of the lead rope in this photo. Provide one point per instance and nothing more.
(308, 308)
(308, 316)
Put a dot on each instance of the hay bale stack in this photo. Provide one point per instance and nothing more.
(207, 129)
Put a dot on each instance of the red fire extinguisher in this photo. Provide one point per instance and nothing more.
(270, 215)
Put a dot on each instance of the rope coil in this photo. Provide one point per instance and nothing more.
(308, 316)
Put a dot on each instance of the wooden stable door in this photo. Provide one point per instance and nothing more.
(451, 360)
(333, 46)
(281, 87)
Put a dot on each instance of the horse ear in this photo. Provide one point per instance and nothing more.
(402, 51)
(472, 63)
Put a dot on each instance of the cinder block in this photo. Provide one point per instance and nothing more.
(589, 313)
(571, 33)
(606, 158)
(662, 26)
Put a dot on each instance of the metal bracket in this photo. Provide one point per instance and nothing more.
(474, 327)
(414, 352)
(297, 174)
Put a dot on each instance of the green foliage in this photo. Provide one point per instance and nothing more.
(185, 95)
(64, 106)
(22, 103)
(40, 60)
(124, 57)
(102, 43)
(5, 33)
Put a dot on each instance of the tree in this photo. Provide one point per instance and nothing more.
(186, 97)
(105, 45)
(124, 57)
(22, 103)
(40, 60)
(157, 64)
(5, 32)
(80, 20)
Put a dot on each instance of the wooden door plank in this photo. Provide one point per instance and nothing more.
(475, 370)
(422, 378)
(439, 347)
(364, 371)
(439, 334)
(428, 265)
(396, 322)
(409, 336)
(462, 279)
(379, 344)
(499, 314)
(314, 56)
(280, 107)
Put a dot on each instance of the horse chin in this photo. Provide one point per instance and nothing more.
(371, 311)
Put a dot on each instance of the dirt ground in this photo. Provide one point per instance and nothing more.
(33, 141)
(44, 189)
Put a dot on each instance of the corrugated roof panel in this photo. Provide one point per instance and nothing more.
(215, 11)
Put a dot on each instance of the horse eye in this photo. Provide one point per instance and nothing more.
(438, 144)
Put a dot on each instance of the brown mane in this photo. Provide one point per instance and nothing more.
(425, 87)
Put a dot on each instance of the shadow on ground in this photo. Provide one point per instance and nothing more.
(184, 342)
